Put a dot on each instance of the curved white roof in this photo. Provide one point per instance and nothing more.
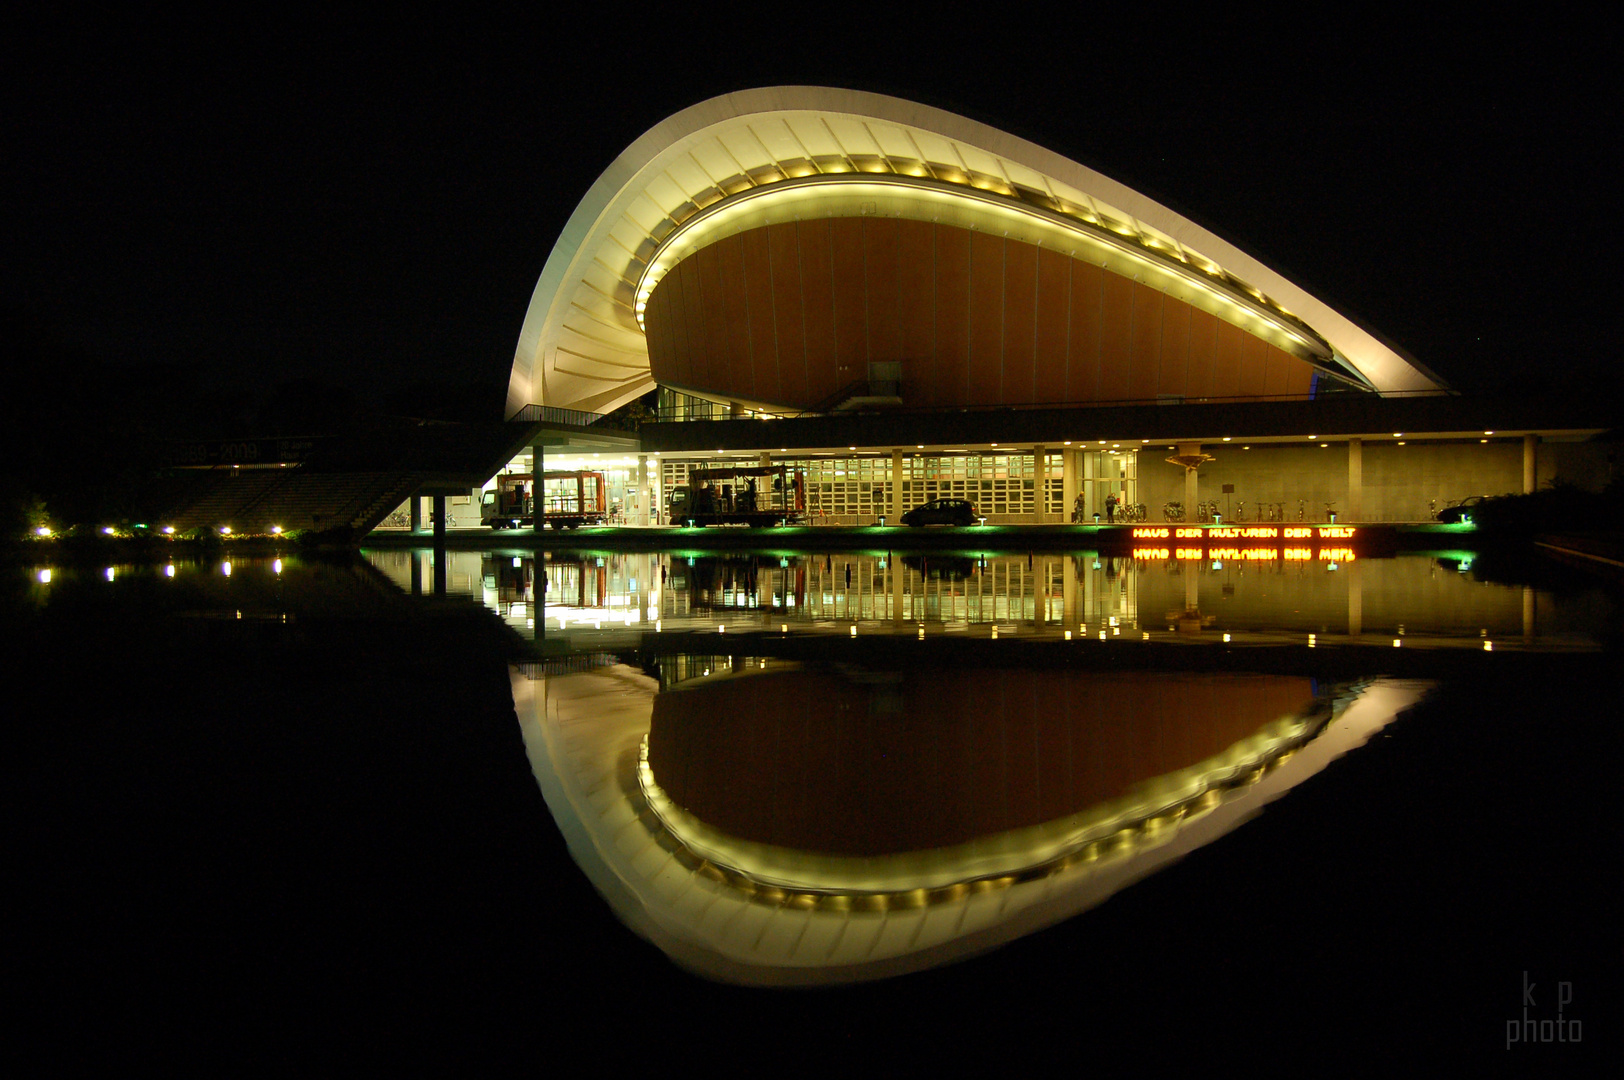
(742, 160)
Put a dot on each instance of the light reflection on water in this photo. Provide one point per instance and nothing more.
(750, 857)
(606, 601)
(780, 824)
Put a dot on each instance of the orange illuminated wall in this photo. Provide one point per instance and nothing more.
(816, 762)
(787, 314)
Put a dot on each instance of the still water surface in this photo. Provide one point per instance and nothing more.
(767, 818)
(1432, 599)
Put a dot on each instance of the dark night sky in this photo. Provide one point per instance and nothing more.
(335, 204)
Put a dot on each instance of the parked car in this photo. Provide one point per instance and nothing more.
(1458, 512)
(942, 512)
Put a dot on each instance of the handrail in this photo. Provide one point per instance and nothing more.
(550, 414)
(667, 415)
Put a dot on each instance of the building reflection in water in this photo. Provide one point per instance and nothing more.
(764, 822)
(584, 597)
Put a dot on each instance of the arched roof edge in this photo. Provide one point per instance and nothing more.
(1383, 365)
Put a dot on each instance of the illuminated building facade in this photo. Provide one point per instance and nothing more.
(809, 251)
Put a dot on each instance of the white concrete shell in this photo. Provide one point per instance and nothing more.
(800, 150)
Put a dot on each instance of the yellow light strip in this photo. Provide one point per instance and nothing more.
(1244, 302)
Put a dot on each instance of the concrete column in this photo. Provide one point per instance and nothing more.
(1068, 484)
(538, 467)
(416, 512)
(735, 409)
(644, 496)
(1530, 463)
(1192, 491)
(1356, 480)
(1040, 477)
(1091, 494)
(896, 488)
(439, 545)
(1529, 614)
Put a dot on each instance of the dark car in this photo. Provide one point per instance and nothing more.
(942, 512)
(1461, 511)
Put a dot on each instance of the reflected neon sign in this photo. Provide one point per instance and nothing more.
(1246, 554)
(1245, 532)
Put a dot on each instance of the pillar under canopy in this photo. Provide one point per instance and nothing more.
(645, 502)
(1068, 485)
(1192, 490)
(896, 488)
(538, 467)
(1040, 475)
(1356, 480)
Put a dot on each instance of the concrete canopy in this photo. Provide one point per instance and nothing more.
(734, 162)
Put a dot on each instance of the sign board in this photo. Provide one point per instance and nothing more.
(215, 453)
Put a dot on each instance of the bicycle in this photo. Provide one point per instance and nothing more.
(1173, 511)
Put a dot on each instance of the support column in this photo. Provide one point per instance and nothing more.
(1356, 480)
(538, 468)
(1530, 463)
(896, 488)
(439, 545)
(645, 498)
(416, 512)
(1091, 494)
(1040, 478)
(1068, 486)
(1192, 490)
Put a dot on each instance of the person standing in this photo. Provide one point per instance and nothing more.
(1110, 508)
